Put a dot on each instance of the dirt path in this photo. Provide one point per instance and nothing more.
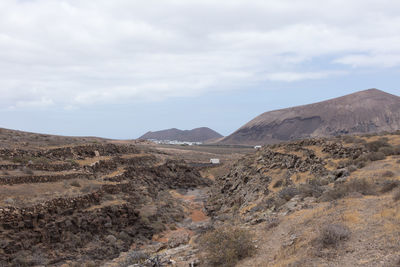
(180, 242)
(177, 243)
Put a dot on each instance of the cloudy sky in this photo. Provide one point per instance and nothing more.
(120, 68)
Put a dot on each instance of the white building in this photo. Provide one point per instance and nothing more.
(257, 147)
(214, 161)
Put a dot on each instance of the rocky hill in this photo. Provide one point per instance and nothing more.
(12, 138)
(366, 111)
(314, 202)
(195, 135)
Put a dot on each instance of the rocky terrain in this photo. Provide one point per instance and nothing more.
(316, 202)
(368, 111)
(312, 202)
(86, 203)
(195, 135)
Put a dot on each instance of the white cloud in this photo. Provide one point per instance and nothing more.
(382, 60)
(33, 103)
(71, 53)
(299, 76)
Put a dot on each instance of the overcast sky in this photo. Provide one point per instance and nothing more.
(123, 67)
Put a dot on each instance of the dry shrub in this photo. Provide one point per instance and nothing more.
(332, 234)
(288, 193)
(360, 162)
(374, 156)
(374, 146)
(90, 264)
(387, 151)
(134, 257)
(348, 139)
(310, 190)
(225, 246)
(362, 186)
(75, 183)
(336, 193)
(107, 197)
(388, 174)
(91, 187)
(278, 183)
(28, 171)
(350, 164)
(352, 168)
(389, 185)
(272, 223)
(396, 195)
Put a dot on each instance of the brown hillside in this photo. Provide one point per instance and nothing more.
(366, 111)
(315, 202)
(195, 135)
(12, 138)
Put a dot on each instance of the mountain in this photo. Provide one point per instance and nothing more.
(196, 135)
(366, 111)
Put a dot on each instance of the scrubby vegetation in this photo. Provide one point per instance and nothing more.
(225, 246)
(134, 257)
(332, 235)
(396, 195)
(75, 184)
(389, 185)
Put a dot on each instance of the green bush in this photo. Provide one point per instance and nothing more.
(225, 246)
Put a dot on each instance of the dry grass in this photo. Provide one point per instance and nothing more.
(108, 203)
(333, 234)
(29, 194)
(225, 246)
(90, 161)
(396, 195)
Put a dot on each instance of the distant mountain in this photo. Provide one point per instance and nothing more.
(366, 111)
(196, 135)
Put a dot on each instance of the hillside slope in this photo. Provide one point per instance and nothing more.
(366, 111)
(12, 138)
(195, 135)
(315, 202)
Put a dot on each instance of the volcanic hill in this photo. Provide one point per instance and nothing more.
(367, 111)
(195, 135)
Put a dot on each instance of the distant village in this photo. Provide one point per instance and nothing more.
(174, 142)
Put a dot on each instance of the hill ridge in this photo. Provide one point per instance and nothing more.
(366, 111)
(200, 134)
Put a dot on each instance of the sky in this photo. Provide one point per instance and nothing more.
(120, 68)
